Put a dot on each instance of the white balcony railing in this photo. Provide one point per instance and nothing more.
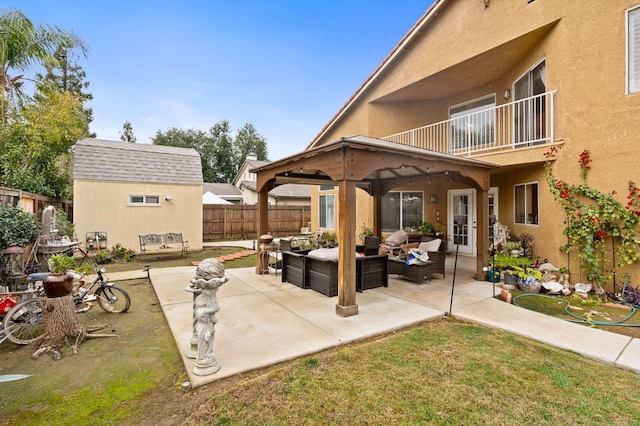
(517, 124)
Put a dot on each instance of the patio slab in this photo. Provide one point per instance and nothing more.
(263, 321)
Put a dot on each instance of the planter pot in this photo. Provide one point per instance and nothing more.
(529, 285)
(58, 285)
(510, 279)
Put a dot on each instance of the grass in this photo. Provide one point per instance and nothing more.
(444, 372)
(440, 373)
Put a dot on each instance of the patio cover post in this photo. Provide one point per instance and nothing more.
(482, 232)
(376, 191)
(263, 216)
(346, 306)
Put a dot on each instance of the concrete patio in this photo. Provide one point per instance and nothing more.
(263, 321)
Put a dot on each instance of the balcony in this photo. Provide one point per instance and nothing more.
(518, 124)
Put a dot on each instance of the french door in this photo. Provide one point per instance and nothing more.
(461, 208)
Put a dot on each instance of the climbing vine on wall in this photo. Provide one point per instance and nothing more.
(595, 221)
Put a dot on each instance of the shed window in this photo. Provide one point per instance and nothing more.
(144, 199)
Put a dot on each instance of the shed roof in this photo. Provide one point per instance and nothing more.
(104, 160)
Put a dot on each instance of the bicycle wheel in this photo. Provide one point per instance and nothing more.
(23, 324)
(113, 299)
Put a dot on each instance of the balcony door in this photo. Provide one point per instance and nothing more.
(462, 220)
(530, 107)
(472, 124)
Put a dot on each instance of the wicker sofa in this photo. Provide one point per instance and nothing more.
(321, 275)
(420, 273)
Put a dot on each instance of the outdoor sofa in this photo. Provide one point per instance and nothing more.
(422, 271)
(318, 270)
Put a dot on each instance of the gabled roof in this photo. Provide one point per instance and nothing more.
(248, 164)
(223, 190)
(415, 31)
(104, 160)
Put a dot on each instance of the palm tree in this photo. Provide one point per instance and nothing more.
(24, 45)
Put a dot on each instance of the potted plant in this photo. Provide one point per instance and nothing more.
(529, 280)
(512, 247)
(510, 265)
(59, 282)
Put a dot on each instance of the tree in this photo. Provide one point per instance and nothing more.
(66, 75)
(127, 133)
(249, 141)
(221, 154)
(35, 144)
(24, 45)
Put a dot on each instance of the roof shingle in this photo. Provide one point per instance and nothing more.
(104, 160)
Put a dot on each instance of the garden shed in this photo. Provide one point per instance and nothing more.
(122, 190)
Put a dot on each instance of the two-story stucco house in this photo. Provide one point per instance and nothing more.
(501, 81)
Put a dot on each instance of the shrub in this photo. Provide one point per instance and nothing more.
(102, 257)
(117, 254)
(17, 227)
(65, 228)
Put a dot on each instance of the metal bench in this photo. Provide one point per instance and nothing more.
(163, 242)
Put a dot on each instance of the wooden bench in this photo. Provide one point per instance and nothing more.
(163, 242)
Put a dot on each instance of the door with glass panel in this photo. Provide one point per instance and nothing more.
(530, 107)
(462, 220)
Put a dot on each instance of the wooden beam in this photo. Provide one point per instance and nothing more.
(482, 233)
(346, 249)
(263, 215)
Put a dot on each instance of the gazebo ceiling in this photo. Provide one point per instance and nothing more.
(367, 160)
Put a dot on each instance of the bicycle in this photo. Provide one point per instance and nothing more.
(23, 324)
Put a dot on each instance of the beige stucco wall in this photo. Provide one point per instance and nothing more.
(104, 206)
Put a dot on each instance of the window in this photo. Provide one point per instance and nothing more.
(327, 211)
(633, 50)
(144, 199)
(472, 123)
(326, 187)
(401, 210)
(526, 208)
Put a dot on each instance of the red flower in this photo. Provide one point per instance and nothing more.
(600, 234)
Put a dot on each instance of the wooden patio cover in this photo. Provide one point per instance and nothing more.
(376, 166)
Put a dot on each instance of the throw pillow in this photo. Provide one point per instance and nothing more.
(433, 245)
(398, 237)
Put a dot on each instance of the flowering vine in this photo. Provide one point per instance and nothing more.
(593, 219)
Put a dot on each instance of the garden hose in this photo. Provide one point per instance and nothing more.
(579, 319)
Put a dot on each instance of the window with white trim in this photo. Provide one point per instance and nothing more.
(526, 204)
(327, 212)
(144, 200)
(633, 50)
(401, 210)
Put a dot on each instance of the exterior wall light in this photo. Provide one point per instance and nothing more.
(506, 94)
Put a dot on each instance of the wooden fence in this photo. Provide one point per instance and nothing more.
(34, 203)
(238, 222)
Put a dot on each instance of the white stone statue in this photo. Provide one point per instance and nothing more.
(209, 277)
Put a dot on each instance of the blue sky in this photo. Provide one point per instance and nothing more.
(285, 66)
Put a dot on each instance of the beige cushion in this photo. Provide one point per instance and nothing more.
(398, 237)
(433, 245)
(327, 253)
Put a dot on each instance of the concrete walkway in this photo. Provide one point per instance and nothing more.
(263, 321)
